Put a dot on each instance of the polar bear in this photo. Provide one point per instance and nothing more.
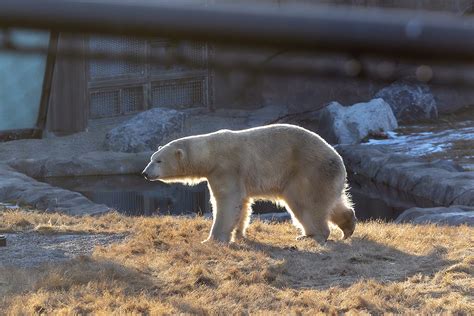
(280, 162)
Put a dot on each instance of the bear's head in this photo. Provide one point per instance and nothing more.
(166, 164)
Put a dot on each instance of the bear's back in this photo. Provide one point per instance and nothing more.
(281, 136)
(274, 147)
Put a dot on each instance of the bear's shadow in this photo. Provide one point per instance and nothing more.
(342, 263)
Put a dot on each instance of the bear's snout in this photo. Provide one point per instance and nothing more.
(151, 172)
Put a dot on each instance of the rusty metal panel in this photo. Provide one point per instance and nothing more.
(179, 93)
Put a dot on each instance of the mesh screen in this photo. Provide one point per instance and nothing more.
(111, 95)
(116, 45)
(104, 104)
(182, 93)
(196, 53)
(163, 50)
(132, 100)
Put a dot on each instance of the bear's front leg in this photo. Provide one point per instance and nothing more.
(226, 210)
(226, 216)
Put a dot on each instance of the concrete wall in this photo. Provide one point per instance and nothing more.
(237, 89)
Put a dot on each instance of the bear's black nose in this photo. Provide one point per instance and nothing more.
(145, 175)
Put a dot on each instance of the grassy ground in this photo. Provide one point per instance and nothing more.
(162, 268)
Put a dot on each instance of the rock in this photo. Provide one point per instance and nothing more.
(453, 215)
(316, 121)
(410, 102)
(146, 131)
(339, 124)
(436, 182)
(353, 123)
(277, 217)
(273, 217)
(90, 164)
(15, 186)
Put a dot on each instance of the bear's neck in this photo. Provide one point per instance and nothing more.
(198, 163)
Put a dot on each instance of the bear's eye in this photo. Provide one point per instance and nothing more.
(158, 161)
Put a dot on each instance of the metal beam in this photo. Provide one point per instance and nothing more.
(395, 33)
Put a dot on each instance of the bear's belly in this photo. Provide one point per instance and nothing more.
(265, 187)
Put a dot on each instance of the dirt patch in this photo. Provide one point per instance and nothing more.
(32, 249)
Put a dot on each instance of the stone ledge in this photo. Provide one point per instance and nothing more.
(91, 164)
(438, 181)
(454, 215)
(16, 186)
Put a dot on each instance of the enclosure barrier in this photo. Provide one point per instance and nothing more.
(397, 33)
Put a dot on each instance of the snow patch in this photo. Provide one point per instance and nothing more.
(424, 143)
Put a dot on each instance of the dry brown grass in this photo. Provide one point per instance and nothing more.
(162, 268)
(42, 222)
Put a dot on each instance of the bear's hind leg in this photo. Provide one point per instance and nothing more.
(343, 216)
(239, 232)
(313, 217)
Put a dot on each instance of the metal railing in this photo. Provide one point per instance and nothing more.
(396, 33)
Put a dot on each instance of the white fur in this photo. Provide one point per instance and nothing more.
(277, 162)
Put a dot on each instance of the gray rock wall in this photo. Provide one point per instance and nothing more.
(454, 215)
(437, 181)
(145, 131)
(15, 186)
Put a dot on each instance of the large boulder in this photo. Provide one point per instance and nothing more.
(339, 124)
(410, 102)
(17, 187)
(453, 215)
(145, 131)
(351, 124)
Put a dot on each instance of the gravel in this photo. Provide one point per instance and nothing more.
(30, 249)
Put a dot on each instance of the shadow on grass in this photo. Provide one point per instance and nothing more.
(81, 270)
(343, 263)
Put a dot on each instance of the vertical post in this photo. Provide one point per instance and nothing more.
(47, 81)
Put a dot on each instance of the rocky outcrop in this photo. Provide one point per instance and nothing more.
(91, 164)
(339, 124)
(441, 182)
(149, 129)
(454, 215)
(15, 186)
(410, 102)
(146, 131)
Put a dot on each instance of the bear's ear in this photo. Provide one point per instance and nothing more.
(179, 153)
(159, 147)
